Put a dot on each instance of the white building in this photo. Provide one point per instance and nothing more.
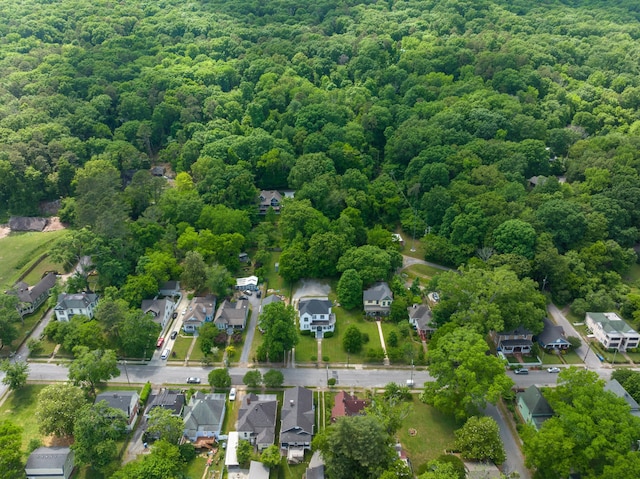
(612, 331)
(250, 283)
(316, 315)
(70, 305)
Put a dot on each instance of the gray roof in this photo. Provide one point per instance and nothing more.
(314, 306)
(272, 298)
(612, 323)
(122, 400)
(377, 292)
(257, 415)
(257, 470)
(75, 301)
(267, 196)
(48, 458)
(421, 314)
(616, 388)
(29, 295)
(298, 416)
(536, 403)
(315, 470)
(202, 306)
(170, 285)
(551, 334)
(156, 307)
(205, 410)
(232, 314)
(167, 399)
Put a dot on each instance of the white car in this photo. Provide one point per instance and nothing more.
(232, 394)
(553, 370)
(193, 380)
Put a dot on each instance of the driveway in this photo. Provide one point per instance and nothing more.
(252, 325)
(515, 459)
(311, 288)
(410, 260)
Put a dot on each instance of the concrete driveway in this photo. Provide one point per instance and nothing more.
(311, 288)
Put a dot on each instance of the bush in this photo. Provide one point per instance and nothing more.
(144, 394)
(375, 354)
(236, 338)
(314, 358)
(306, 332)
(365, 338)
(328, 334)
(187, 452)
(325, 359)
(331, 382)
(220, 339)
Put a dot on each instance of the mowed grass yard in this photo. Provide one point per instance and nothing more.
(19, 250)
(434, 432)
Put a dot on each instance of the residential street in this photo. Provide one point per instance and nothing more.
(515, 459)
(252, 325)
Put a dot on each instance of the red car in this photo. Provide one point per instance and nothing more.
(160, 342)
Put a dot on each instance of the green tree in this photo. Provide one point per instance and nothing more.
(352, 340)
(164, 462)
(97, 429)
(515, 236)
(355, 448)
(162, 425)
(349, 289)
(58, 408)
(271, 457)
(219, 280)
(294, 263)
(479, 440)
(220, 378)
(466, 377)
(439, 470)
(194, 274)
(280, 333)
(16, 374)
(89, 368)
(371, 263)
(10, 450)
(138, 333)
(244, 452)
(252, 378)
(273, 378)
(207, 334)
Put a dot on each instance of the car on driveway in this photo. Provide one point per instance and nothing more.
(243, 297)
(174, 334)
(553, 370)
(232, 394)
(159, 343)
(193, 380)
(248, 292)
(522, 371)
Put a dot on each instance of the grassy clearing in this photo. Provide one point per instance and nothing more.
(38, 272)
(434, 432)
(290, 471)
(422, 271)
(274, 280)
(19, 250)
(633, 275)
(20, 408)
(180, 347)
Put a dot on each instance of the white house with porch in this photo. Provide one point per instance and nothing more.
(316, 316)
(612, 331)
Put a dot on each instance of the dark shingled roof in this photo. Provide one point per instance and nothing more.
(377, 292)
(314, 306)
(48, 458)
(297, 414)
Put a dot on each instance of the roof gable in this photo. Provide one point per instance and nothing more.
(314, 306)
(536, 402)
(377, 292)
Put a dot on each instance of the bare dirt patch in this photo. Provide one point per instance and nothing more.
(53, 224)
(4, 230)
(55, 441)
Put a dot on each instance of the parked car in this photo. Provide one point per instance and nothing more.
(165, 353)
(193, 380)
(174, 315)
(174, 334)
(248, 292)
(553, 370)
(522, 371)
(160, 343)
(232, 394)
(436, 297)
(259, 294)
(243, 297)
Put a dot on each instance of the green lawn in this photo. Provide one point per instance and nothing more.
(20, 408)
(332, 347)
(409, 243)
(633, 275)
(180, 347)
(38, 272)
(19, 250)
(290, 471)
(434, 433)
(274, 280)
(422, 271)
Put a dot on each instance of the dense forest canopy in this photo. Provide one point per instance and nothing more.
(506, 130)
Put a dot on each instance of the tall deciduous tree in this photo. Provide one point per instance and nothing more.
(479, 440)
(280, 334)
(96, 430)
(273, 378)
(352, 340)
(162, 425)
(16, 374)
(164, 462)
(466, 376)
(220, 378)
(355, 448)
(194, 274)
(92, 367)
(58, 408)
(10, 450)
(350, 289)
(252, 378)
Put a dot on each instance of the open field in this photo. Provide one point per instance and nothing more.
(19, 250)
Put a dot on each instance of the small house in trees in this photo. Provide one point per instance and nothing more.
(232, 315)
(298, 423)
(126, 401)
(269, 199)
(70, 305)
(203, 416)
(200, 311)
(533, 407)
(257, 419)
(160, 309)
(346, 404)
(377, 299)
(170, 288)
(420, 319)
(250, 283)
(272, 298)
(552, 337)
(170, 399)
(616, 388)
(612, 331)
(50, 463)
(30, 298)
(316, 316)
(517, 341)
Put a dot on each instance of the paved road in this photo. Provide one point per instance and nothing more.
(515, 459)
(410, 260)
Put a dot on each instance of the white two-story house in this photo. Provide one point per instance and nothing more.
(70, 305)
(316, 316)
(612, 331)
(377, 299)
